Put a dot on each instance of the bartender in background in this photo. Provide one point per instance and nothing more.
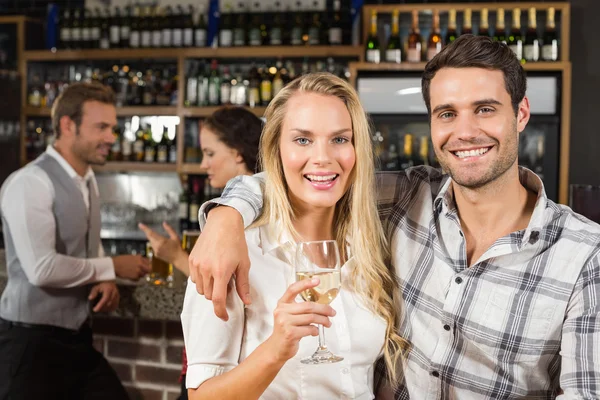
(229, 139)
(50, 213)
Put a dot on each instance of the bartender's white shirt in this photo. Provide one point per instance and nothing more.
(215, 347)
(26, 204)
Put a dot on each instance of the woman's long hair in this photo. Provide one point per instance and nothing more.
(356, 218)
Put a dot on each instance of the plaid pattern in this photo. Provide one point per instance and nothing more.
(521, 322)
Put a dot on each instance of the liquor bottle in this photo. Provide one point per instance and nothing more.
(264, 32)
(149, 146)
(298, 29)
(115, 151)
(500, 31)
(177, 31)
(239, 32)
(372, 51)
(126, 145)
(173, 150)
(96, 24)
(184, 204)
(254, 88)
(65, 29)
(156, 28)
(76, 30)
(434, 44)
(550, 38)
(393, 53)
(138, 145)
(105, 31)
(194, 208)
(166, 27)
(162, 148)
(278, 81)
(276, 32)
(225, 89)
(191, 92)
(467, 24)
(451, 34)
(315, 29)
(484, 26)
(214, 84)
(515, 41)
(254, 34)
(203, 75)
(125, 32)
(335, 27)
(86, 29)
(115, 29)
(531, 48)
(266, 87)
(423, 158)
(406, 159)
(200, 31)
(225, 32)
(146, 29)
(135, 34)
(414, 40)
(188, 28)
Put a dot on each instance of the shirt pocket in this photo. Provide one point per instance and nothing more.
(516, 323)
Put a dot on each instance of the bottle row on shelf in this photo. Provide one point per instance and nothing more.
(531, 46)
(175, 27)
(9, 130)
(253, 85)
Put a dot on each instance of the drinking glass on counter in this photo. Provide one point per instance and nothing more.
(320, 259)
(161, 272)
(189, 240)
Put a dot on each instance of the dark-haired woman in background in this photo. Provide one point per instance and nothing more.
(229, 141)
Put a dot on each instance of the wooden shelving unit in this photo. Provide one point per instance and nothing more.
(121, 111)
(191, 169)
(199, 112)
(118, 166)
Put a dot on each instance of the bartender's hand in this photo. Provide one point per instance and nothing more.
(219, 253)
(109, 300)
(131, 267)
(167, 248)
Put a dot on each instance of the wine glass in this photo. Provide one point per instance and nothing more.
(320, 259)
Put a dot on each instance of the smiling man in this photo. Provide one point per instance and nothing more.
(500, 285)
(51, 220)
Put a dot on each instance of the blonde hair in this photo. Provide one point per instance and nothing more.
(356, 217)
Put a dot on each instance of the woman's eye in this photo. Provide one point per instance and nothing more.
(340, 140)
(302, 141)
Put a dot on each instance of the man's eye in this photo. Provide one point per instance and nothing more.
(446, 115)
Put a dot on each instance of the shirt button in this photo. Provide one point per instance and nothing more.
(435, 374)
(458, 280)
(447, 327)
(345, 371)
(461, 234)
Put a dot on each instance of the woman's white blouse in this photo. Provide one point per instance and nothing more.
(215, 347)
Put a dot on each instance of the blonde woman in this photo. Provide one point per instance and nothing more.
(316, 152)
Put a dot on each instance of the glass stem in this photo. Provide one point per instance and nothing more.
(322, 345)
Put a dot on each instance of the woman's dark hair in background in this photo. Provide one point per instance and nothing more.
(239, 129)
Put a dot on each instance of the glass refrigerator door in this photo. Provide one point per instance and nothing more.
(402, 134)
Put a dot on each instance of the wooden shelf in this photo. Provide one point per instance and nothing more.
(460, 6)
(191, 169)
(198, 112)
(121, 111)
(118, 166)
(406, 66)
(223, 52)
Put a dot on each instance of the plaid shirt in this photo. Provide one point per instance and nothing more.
(521, 322)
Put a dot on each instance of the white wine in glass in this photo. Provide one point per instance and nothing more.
(320, 259)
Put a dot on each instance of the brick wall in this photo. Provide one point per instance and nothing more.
(146, 354)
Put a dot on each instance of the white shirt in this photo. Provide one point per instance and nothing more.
(26, 205)
(215, 347)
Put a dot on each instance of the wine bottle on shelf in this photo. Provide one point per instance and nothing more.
(225, 30)
(373, 51)
(214, 84)
(423, 158)
(86, 29)
(484, 25)
(277, 28)
(531, 48)
(550, 38)
(195, 201)
(414, 40)
(254, 88)
(76, 30)
(115, 29)
(177, 31)
(135, 34)
(335, 28)
(156, 28)
(434, 44)
(115, 150)
(149, 146)
(105, 31)
(188, 27)
(203, 83)
(467, 23)
(162, 148)
(254, 35)
(515, 40)
(225, 89)
(406, 159)
(500, 31)
(315, 29)
(145, 29)
(139, 145)
(239, 32)
(65, 29)
(393, 53)
(266, 87)
(95, 28)
(451, 34)
(200, 31)
(278, 79)
(184, 204)
(298, 29)
(125, 32)
(173, 150)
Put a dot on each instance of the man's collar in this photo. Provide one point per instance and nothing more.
(52, 152)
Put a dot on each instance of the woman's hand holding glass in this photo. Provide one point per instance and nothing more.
(293, 320)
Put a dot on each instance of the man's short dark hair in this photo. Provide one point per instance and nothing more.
(470, 51)
(71, 100)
